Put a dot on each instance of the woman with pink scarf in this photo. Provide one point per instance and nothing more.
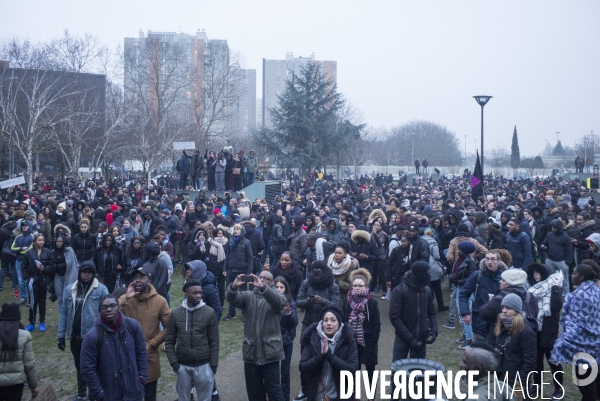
(362, 314)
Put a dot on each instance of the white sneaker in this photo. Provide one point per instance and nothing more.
(386, 295)
(300, 397)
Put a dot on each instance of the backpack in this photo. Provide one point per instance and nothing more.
(101, 333)
(528, 313)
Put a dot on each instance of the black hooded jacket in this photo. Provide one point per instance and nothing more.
(239, 258)
(326, 288)
(411, 311)
(559, 244)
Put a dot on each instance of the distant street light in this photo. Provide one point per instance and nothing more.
(413, 148)
(482, 100)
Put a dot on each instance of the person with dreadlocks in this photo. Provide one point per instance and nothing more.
(362, 314)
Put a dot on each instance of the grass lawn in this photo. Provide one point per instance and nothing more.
(58, 366)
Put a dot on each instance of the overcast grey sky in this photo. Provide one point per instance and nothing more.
(397, 60)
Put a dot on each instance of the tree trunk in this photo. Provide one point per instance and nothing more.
(29, 171)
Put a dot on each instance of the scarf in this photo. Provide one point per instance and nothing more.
(543, 291)
(506, 322)
(146, 228)
(216, 248)
(418, 278)
(358, 303)
(322, 283)
(290, 275)
(117, 324)
(202, 246)
(326, 387)
(339, 268)
(234, 242)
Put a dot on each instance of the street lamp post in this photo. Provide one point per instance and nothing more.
(465, 148)
(482, 100)
(413, 149)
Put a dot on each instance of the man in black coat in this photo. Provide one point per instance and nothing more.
(412, 314)
(256, 240)
(239, 260)
(420, 247)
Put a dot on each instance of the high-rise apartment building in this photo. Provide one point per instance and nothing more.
(243, 116)
(276, 72)
(196, 73)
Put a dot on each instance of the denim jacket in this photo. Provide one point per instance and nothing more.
(91, 304)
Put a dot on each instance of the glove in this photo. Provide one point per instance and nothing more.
(61, 344)
(414, 343)
(175, 368)
(430, 338)
(214, 369)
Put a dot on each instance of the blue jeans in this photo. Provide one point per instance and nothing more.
(249, 178)
(3, 272)
(267, 251)
(467, 328)
(197, 182)
(285, 370)
(22, 284)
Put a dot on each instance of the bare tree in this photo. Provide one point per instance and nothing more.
(33, 94)
(216, 87)
(157, 85)
(78, 53)
(74, 134)
(349, 126)
(499, 157)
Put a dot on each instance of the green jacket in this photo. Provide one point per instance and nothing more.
(192, 336)
(22, 369)
(262, 328)
(252, 164)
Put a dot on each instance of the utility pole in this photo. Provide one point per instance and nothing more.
(465, 147)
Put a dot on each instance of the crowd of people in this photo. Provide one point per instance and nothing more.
(521, 261)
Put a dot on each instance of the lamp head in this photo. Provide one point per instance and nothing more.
(482, 100)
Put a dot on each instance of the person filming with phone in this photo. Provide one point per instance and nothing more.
(263, 347)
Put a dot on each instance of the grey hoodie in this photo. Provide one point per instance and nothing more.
(185, 306)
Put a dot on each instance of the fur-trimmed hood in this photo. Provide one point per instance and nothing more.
(347, 333)
(361, 234)
(391, 210)
(63, 227)
(501, 266)
(226, 229)
(379, 212)
(544, 271)
(248, 223)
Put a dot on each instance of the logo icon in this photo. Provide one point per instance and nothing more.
(585, 369)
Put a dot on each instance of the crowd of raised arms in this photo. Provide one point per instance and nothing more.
(522, 262)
